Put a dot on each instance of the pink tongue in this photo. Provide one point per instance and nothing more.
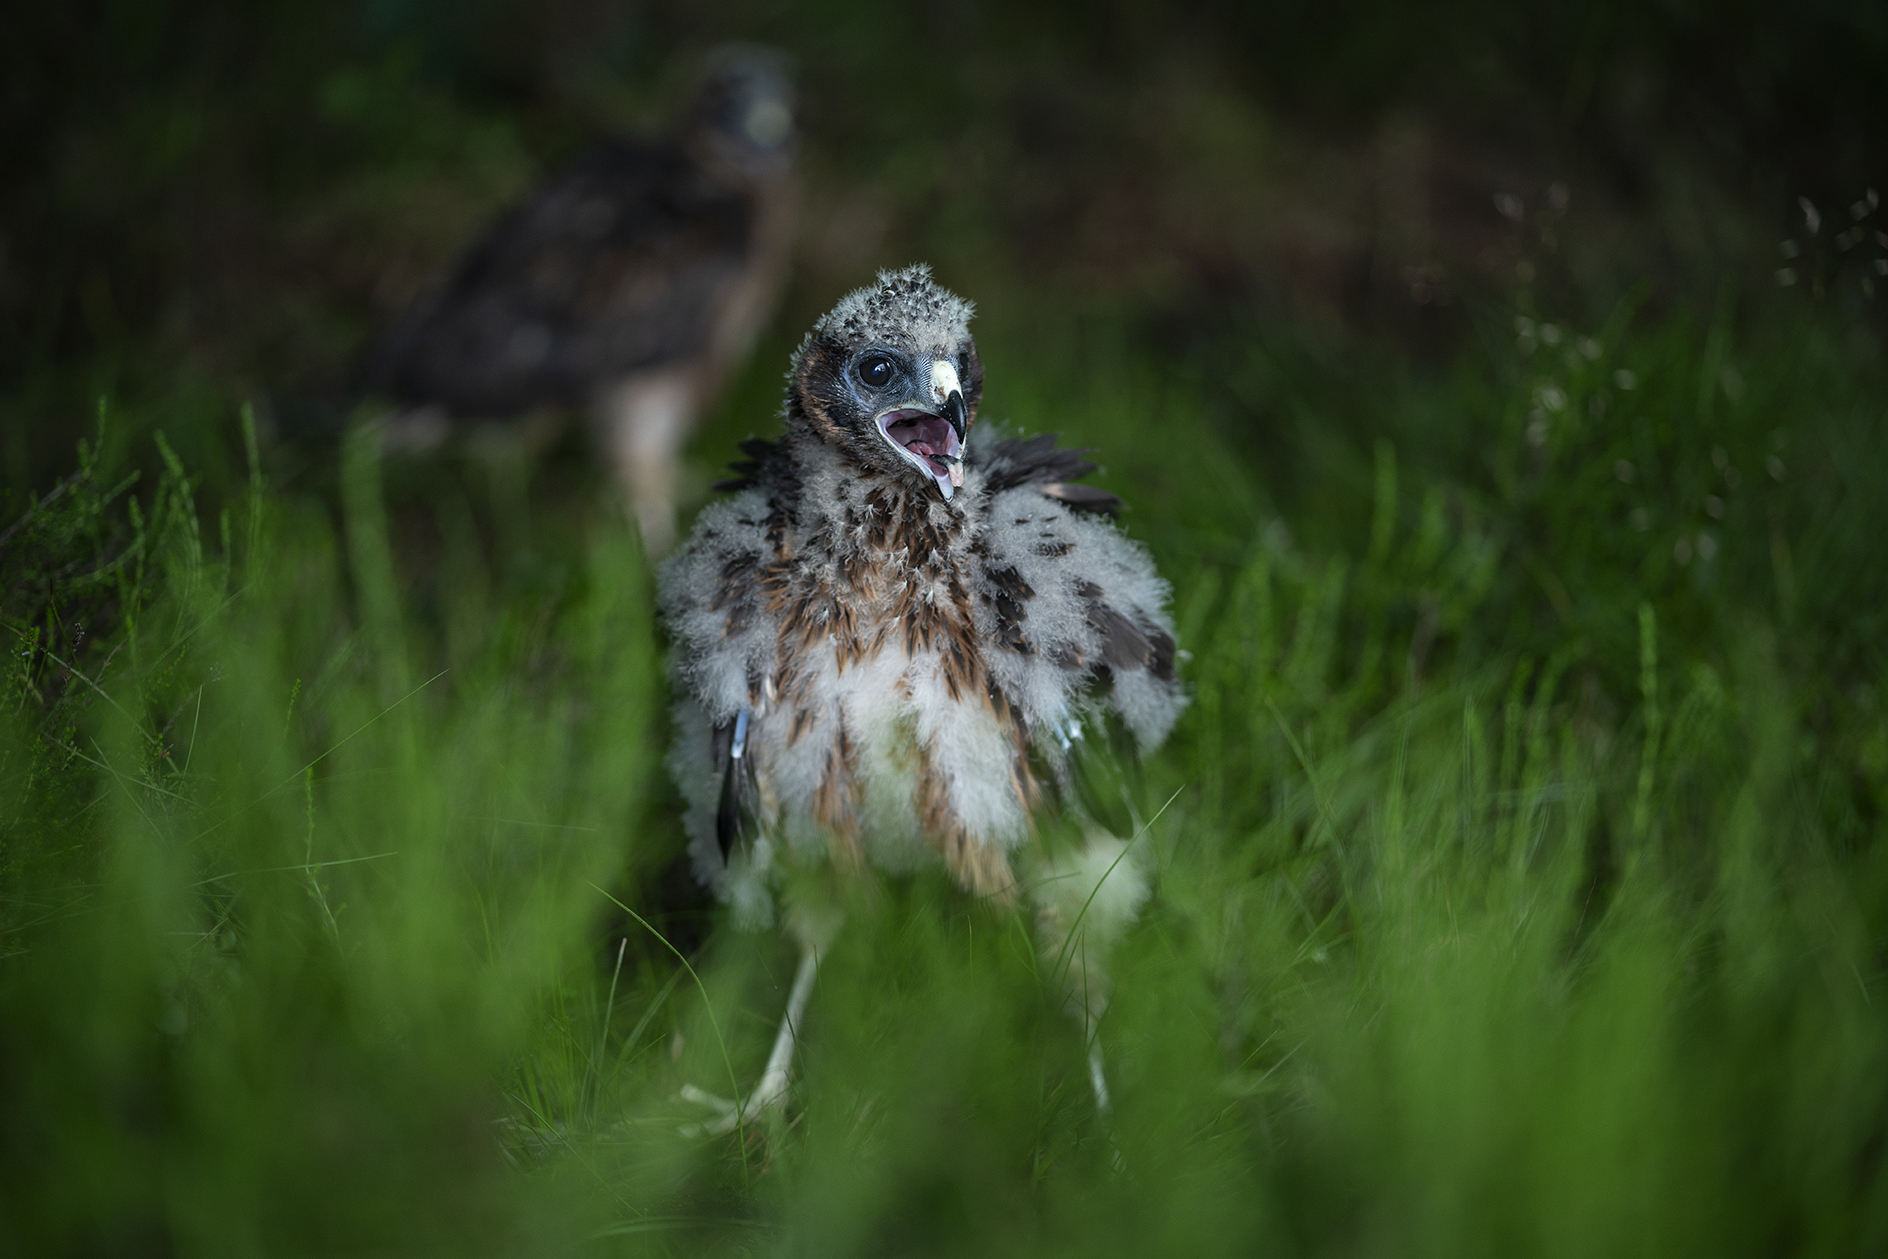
(925, 438)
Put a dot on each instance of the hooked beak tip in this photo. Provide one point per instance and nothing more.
(956, 414)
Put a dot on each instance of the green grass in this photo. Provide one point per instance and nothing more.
(1523, 888)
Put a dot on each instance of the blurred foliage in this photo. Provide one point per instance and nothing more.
(276, 903)
(221, 200)
(1522, 886)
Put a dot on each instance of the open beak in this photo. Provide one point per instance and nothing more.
(929, 433)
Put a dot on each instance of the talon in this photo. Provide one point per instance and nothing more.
(769, 1094)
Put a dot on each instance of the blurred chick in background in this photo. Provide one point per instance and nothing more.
(629, 284)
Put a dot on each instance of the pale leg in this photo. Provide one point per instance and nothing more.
(645, 421)
(1085, 899)
(772, 1089)
(1096, 1076)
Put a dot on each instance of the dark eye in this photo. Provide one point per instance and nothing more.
(876, 371)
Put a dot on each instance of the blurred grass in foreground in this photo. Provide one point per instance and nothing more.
(1523, 887)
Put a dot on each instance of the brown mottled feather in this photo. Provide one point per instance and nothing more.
(875, 564)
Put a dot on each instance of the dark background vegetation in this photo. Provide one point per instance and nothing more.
(1499, 385)
(226, 198)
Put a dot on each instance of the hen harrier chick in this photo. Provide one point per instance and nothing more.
(630, 283)
(889, 646)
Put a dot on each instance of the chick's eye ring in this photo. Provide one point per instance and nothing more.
(875, 372)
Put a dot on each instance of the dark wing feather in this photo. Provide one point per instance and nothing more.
(1124, 644)
(1038, 461)
(620, 263)
(767, 465)
(1083, 497)
(735, 816)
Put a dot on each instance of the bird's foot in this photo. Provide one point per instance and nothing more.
(769, 1095)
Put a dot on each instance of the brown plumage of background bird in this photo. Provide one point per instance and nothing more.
(628, 284)
(897, 646)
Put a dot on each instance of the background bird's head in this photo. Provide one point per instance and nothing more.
(745, 112)
(892, 379)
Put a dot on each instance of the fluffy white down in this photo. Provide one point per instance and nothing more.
(1058, 551)
(891, 707)
(710, 666)
(902, 307)
(1093, 892)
